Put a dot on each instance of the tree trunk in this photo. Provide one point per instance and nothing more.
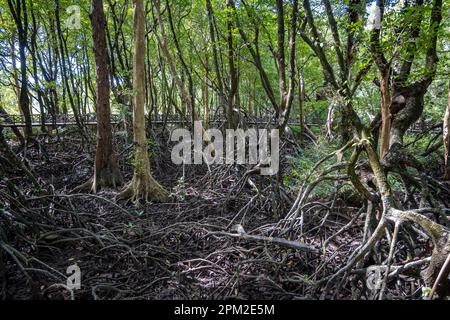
(106, 170)
(142, 186)
(410, 102)
(217, 69)
(232, 115)
(33, 51)
(184, 65)
(14, 68)
(63, 55)
(447, 138)
(301, 104)
(162, 41)
(205, 95)
(19, 10)
(385, 114)
(286, 91)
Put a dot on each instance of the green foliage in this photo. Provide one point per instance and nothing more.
(258, 18)
(395, 183)
(302, 164)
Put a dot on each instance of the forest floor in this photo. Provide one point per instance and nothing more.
(185, 249)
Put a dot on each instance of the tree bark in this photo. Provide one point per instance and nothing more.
(232, 115)
(281, 60)
(408, 100)
(253, 48)
(33, 51)
(162, 41)
(446, 132)
(143, 186)
(106, 170)
(217, 69)
(66, 72)
(385, 114)
(205, 95)
(19, 11)
(184, 65)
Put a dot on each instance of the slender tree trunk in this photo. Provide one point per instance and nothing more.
(162, 41)
(66, 72)
(232, 115)
(206, 96)
(217, 69)
(447, 138)
(301, 104)
(19, 12)
(106, 170)
(53, 64)
(184, 65)
(14, 70)
(142, 186)
(385, 114)
(253, 48)
(33, 51)
(286, 90)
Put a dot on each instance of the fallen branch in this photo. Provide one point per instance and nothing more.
(278, 241)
